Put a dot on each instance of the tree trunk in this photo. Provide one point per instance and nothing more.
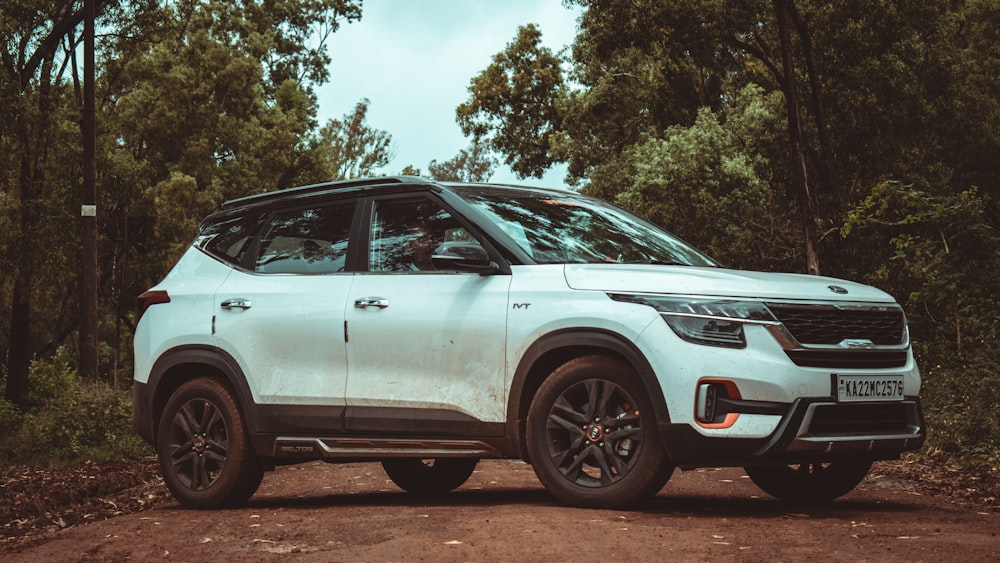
(20, 352)
(88, 205)
(782, 11)
(816, 94)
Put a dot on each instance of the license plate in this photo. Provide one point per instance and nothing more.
(851, 388)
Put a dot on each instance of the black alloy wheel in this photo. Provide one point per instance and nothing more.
(810, 483)
(431, 476)
(203, 447)
(592, 435)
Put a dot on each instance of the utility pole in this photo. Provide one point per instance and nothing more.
(88, 204)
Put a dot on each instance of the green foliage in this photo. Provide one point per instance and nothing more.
(473, 165)
(50, 380)
(350, 148)
(709, 182)
(10, 418)
(960, 398)
(514, 104)
(68, 421)
(946, 255)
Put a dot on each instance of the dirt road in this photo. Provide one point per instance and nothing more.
(319, 512)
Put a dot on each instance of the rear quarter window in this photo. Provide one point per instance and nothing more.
(229, 239)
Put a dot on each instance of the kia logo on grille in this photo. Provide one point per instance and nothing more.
(837, 289)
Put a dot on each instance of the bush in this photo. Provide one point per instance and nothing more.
(50, 380)
(67, 421)
(960, 397)
(10, 416)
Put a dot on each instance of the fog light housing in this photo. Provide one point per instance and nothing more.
(704, 410)
(711, 403)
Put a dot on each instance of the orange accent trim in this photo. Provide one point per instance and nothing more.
(734, 393)
(726, 423)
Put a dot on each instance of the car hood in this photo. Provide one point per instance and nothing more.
(690, 280)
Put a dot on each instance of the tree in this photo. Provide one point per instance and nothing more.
(638, 68)
(710, 183)
(513, 108)
(350, 148)
(474, 164)
(783, 10)
(198, 102)
(32, 89)
(946, 254)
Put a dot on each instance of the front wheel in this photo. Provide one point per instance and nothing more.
(809, 483)
(205, 453)
(592, 437)
(429, 477)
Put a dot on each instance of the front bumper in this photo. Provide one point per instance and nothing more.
(810, 430)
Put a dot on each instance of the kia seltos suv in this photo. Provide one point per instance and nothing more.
(429, 324)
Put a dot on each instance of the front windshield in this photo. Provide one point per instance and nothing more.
(557, 228)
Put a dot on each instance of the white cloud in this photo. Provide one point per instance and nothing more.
(413, 59)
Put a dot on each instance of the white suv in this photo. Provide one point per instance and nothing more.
(428, 325)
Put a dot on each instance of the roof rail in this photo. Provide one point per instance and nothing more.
(322, 187)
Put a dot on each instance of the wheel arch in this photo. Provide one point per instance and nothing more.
(184, 363)
(556, 348)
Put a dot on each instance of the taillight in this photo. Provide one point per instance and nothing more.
(152, 297)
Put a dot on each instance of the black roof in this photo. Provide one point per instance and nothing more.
(320, 188)
(399, 182)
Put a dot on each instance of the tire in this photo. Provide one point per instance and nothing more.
(204, 449)
(592, 436)
(809, 483)
(429, 477)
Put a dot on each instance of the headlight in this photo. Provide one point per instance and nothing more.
(708, 321)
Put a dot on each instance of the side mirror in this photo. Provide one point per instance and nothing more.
(463, 256)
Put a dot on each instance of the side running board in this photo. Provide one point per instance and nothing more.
(363, 448)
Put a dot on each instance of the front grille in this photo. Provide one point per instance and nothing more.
(831, 325)
(848, 359)
(838, 420)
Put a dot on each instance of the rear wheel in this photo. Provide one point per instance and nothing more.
(592, 435)
(204, 448)
(810, 482)
(429, 476)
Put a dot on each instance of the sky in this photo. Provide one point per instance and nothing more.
(413, 60)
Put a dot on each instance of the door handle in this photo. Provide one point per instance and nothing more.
(380, 302)
(236, 303)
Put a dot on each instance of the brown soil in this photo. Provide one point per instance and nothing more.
(36, 505)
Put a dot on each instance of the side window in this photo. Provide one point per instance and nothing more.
(406, 233)
(228, 240)
(307, 241)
